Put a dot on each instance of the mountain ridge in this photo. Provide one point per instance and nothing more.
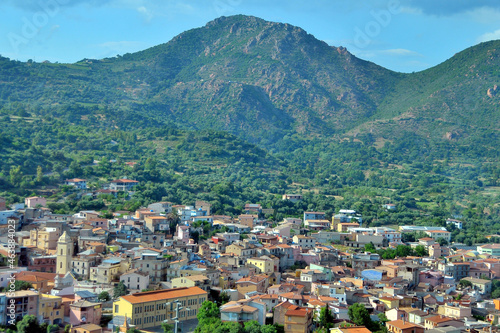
(262, 80)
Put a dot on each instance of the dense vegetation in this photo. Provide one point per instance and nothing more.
(255, 110)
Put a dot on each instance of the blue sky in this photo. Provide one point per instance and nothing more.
(402, 35)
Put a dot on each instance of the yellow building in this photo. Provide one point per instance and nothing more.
(149, 309)
(299, 320)
(261, 265)
(45, 239)
(64, 254)
(50, 309)
(390, 302)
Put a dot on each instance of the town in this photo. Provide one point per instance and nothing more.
(177, 268)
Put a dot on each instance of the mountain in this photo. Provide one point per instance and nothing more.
(261, 81)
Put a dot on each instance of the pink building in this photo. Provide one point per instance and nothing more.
(85, 312)
(32, 202)
(183, 233)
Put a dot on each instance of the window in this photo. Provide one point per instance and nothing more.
(116, 308)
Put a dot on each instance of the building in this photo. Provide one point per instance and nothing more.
(314, 215)
(25, 303)
(157, 223)
(33, 202)
(76, 182)
(491, 249)
(44, 239)
(85, 312)
(292, 197)
(200, 281)
(3, 205)
(64, 254)
(152, 308)
(135, 280)
(87, 328)
(403, 326)
(123, 184)
(457, 223)
(481, 285)
(262, 265)
(299, 320)
(50, 309)
(304, 242)
(437, 234)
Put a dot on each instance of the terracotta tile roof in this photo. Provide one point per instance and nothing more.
(355, 329)
(124, 181)
(300, 312)
(402, 324)
(159, 295)
(439, 319)
(239, 309)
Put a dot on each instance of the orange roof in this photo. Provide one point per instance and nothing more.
(300, 312)
(124, 181)
(160, 295)
(355, 329)
(439, 319)
(402, 324)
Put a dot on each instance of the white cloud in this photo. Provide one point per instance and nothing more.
(145, 13)
(489, 36)
(400, 53)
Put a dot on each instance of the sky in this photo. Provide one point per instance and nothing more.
(401, 35)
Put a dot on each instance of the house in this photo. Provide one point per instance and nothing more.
(389, 206)
(482, 285)
(50, 310)
(292, 197)
(33, 202)
(299, 320)
(238, 313)
(157, 223)
(253, 208)
(491, 249)
(123, 184)
(198, 280)
(152, 308)
(457, 223)
(29, 300)
(403, 326)
(304, 242)
(87, 328)
(85, 312)
(76, 182)
(135, 280)
(262, 265)
(441, 321)
(437, 234)
(314, 215)
(258, 283)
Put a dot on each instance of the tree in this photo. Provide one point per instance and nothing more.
(120, 290)
(370, 247)
(358, 314)
(39, 174)
(52, 328)
(465, 283)
(229, 327)
(29, 324)
(22, 285)
(442, 241)
(268, 329)
(133, 330)
(251, 326)
(167, 328)
(208, 310)
(325, 318)
(67, 328)
(421, 251)
(495, 293)
(104, 296)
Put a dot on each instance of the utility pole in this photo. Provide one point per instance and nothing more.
(178, 307)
